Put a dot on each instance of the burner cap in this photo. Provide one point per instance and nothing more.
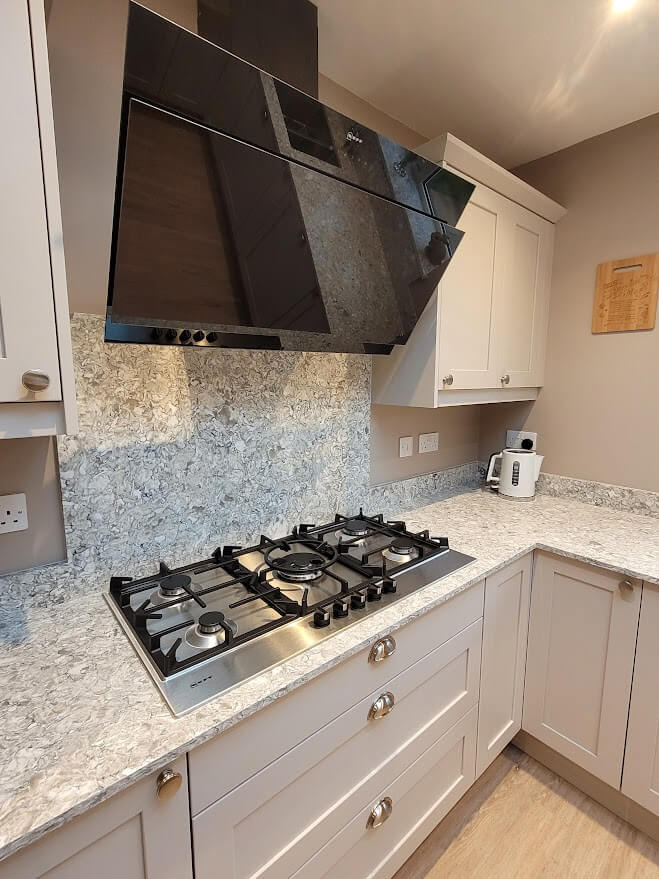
(356, 528)
(402, 545)
(174, 584)
(210, 622)
(300, 562)
(300, 566)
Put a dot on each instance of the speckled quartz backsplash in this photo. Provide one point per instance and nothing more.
(180, 449)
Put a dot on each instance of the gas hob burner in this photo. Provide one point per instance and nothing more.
(172, 586)
(209, 630)
(354, 531)
(300, 567)
(401, 550)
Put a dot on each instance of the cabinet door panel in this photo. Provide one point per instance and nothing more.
(28, 339)
(420, 797)
(522, 313)
(134, 835)
(279, 818)
(582, 635)
(505, 631)
(467, 297)
(640, 779)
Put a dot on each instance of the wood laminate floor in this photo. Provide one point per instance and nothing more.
(522, 821)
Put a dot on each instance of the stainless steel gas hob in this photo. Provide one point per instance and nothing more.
(203, 628)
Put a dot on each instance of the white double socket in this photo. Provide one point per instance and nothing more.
(13, 513)
(428, 442)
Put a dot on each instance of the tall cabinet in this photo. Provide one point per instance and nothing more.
(482, 337)
(36, 374)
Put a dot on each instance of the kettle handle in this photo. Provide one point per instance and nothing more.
(494, 457)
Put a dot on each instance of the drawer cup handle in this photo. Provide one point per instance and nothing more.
(382, 706)
(168, 783)
(380, 813)
(381, 649)
(35, 380)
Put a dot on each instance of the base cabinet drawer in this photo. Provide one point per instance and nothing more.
(413, 803)
(275, 821)
(223, 763)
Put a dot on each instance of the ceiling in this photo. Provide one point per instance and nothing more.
(517, 79)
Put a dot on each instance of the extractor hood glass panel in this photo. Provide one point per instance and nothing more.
(218, 235)
(180, 71)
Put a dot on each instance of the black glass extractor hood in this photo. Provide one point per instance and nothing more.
(249, 215)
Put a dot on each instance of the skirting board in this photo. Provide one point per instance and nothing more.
(597, 790)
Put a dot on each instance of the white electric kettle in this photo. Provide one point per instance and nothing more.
(519, 472)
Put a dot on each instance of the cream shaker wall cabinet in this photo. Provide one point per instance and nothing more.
(37, 395)
(482, 337)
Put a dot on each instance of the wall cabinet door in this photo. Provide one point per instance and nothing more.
(519, 329)
(582, 637)
(28, 337)
(503, 663)
(468, 297)
(640, 779)
(134, 835)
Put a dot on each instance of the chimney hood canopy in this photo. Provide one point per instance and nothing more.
(248, 214)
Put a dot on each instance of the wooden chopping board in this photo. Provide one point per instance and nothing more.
(626, 294)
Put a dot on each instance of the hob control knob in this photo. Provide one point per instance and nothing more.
(156, 333)
(170, 335)
(199, 336)
(211, 337)
(358, 599)
(321, 618)
(185, 336)
(375, 592)
(389, 586)
(341, 607)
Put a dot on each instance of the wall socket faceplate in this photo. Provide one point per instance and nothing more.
(514, 438)
(428, 442)
(13, 513)
(406, 447)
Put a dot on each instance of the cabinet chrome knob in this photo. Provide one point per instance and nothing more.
(35, 380)
(380, 812)
(505, 379)
(626, 587)
(167, 784)
(448, 379)
(382, 706)
(381, 649)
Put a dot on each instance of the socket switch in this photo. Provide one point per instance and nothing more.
(514, 438)
(13, 513)
(428, 442)
(405, 447)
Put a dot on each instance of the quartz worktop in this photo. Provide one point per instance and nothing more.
(81, 718)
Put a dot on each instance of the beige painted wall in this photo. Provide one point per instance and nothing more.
(458, 439)
(598, 415)
(30, 466)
